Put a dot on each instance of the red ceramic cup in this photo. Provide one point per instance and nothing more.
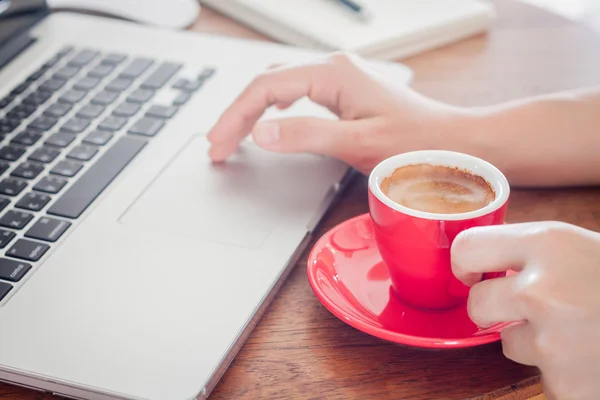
(415, 245)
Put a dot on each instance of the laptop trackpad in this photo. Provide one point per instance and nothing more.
(238, 202)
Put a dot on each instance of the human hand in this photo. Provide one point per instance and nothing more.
(377, 119)
(555, 296)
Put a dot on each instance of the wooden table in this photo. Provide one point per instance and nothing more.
(300, 351)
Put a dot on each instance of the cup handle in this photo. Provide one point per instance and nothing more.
(492, 275)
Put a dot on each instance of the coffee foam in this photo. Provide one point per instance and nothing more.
(437, 189)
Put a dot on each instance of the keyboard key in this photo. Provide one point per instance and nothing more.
(126, 109)
(187, 85)
(163, 112)
(53, 84)
(33, 201)
(181, 99)
(83, 153)
(66, 168)
(89, 186)
(12, 186)
(87, 83)
(98, 138)
(57, 57)
(50, 184)
(90, 111)
(37, 98)
(136, 68)
(112, 123)
(75, 125)
(6, 101)
(101, 70)
(6, 128)
(11, 153)
(12, 270)
(60, 140)
(36, 75)
(83, 57)
(26, 138)
(27, 170)
(66, 72)
(47, 229)
(46, 66)
(206, 73)
(8, 125)
(119, 84)
(21, 87)
(105, 98)
(113, 58)
(15, 219)
(147, 126)
(44, 155)
(13, 122)
(27, 250)
(64, 51)
(180, 83)
(4, 202)
(58, 110)
(192, 86)
(34, 130)
(3, 167)
(5, 288)
(72, 96)
(140, 96)
(21, 111)
(5, 238)
(43, 122)
(163, 73)
(51, 62)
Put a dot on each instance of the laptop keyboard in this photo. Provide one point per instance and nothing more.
(66, 133)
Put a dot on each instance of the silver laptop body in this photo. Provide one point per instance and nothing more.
(150, 290)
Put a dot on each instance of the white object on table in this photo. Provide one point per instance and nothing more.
(174, 14)
(395, 29)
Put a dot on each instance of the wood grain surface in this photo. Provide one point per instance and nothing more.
(300, 351)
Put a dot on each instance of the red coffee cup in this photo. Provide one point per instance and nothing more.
(415, 245)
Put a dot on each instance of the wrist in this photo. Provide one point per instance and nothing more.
(459, 129)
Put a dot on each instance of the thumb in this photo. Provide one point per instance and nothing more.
(305, 135)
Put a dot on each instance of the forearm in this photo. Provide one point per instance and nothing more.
(545, 141)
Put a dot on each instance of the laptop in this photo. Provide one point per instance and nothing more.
(130, 266)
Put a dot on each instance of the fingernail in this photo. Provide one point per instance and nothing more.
(266, 132)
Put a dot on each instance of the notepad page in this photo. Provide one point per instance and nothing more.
(392, 20)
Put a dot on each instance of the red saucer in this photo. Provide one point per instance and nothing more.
(348, 276)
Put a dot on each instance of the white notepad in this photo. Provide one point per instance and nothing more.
(396, 29)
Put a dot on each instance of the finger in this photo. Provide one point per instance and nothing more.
(518, 344)
(220, 152)
(279, 86)
(492, 301)
(307, 135)
(283, 106)
(488, 249)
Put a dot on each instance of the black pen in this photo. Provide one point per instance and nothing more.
(357, 9)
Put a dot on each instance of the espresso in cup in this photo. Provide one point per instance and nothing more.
(437, 189)
(419, 202)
